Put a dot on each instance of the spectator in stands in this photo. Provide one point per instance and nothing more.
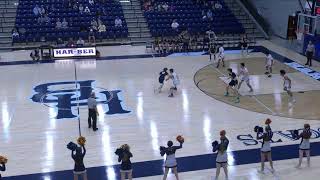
(64, 24)
(165, 6)
(70, 43)
(217, 5)
(43, 19)
(35, 55)
(75, 6)
(36, 10)
(60, 42)
(94, 25)
(175, 25)
(15, 33)
(209, 14)
(40, 19)
(118, 22)
(42, 10)
(81, 9)
(80, 42)
(204, 14)
(91, 2)
(87, 10)
(46, 18)
(102, 27)
(92, 38)
(58, 24)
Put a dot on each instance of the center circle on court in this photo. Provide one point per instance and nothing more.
(268, 96)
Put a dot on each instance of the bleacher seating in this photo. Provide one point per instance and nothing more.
(79, 24)
(188, 14)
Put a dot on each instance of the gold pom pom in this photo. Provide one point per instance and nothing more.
(3, 160)
(81, 141)
(180, 139)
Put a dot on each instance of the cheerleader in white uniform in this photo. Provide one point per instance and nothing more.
(170, 162)
(244, 74)
(269, 64)
(287, 85)
(175, 82)
(222, 156)
(266, 145)
(220, 56)
(304, 147)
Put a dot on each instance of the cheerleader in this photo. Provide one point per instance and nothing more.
(244, 74)
(175, 82)
(266, 145)
(244, 44)
(162, 76)
(222, 157)
(220, 56)
(170, 162)
(269, 64)
(233, 83)
(124, 158)
(304, 147)
(287, 85)
(2, 168)
(79, 168)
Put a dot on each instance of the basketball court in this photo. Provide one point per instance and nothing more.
(39, 115)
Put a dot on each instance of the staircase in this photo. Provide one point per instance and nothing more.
(8, 11)
(249, 25)
(137, 25)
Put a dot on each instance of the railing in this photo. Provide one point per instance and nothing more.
(254, 12)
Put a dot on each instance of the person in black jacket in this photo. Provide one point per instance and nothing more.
(79, 168)
(2, 168)
(124, 157)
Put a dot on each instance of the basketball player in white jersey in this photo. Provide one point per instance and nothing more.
(244, 74)
(220, 55)
(175, 82)
(269, 64)
(287, 84)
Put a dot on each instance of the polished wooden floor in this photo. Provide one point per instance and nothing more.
(268, 96)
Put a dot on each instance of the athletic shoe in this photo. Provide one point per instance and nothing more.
(226, 94)
(251, 90)
(237, 100)
(269, 76)
(171, 95)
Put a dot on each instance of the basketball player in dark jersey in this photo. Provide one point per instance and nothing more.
(162, 77)
(233, 84)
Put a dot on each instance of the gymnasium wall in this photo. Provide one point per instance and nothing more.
(276, 13)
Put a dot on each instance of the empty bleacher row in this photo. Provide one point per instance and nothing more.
(79, 21)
